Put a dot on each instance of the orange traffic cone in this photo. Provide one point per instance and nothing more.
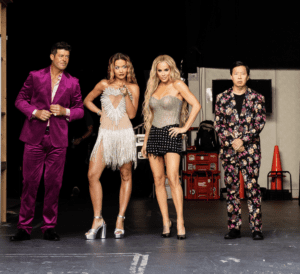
(276, 166)
(242, 186)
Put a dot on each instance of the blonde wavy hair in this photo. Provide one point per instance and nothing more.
(152, 85)
(111, 63)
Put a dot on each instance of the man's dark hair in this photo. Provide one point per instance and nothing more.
(238, 64)
(60, 45)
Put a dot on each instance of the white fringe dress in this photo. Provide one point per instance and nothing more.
(116, 136)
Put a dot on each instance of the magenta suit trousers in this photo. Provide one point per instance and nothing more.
(35, 158)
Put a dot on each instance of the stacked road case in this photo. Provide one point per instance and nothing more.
(201, 175)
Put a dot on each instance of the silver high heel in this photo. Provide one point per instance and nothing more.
(117, 230)
(92, 233)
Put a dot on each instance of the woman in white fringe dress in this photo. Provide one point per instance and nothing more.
(115, 146)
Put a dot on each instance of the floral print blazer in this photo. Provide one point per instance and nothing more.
(246, 126)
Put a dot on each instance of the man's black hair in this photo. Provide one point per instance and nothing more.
(238, 64)
(60, 45)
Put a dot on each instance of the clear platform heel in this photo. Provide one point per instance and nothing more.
(92, 233)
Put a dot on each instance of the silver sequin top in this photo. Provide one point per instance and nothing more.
(166, 111)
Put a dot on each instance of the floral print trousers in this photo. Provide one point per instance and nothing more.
(250, 170)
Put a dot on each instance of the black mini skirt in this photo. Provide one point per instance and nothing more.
(160, 142)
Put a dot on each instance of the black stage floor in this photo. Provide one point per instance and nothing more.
(144, 251)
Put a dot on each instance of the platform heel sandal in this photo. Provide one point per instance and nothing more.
(119, 233)
(92, 233)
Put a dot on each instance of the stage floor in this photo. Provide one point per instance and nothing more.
(143, 250)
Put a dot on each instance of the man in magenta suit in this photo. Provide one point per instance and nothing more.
(50, 98)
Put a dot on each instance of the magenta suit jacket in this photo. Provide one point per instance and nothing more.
(36, 94)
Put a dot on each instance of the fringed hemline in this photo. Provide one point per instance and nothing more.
(119, 147)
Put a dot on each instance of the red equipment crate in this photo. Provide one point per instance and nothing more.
(201, 185)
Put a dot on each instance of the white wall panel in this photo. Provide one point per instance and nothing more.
(288, 123)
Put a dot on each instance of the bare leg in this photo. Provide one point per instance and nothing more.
(96, 168)
(158, 170)
(125, 192)
(172, 164)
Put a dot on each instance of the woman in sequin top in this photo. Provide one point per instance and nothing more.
(115, 146)
(165, 115)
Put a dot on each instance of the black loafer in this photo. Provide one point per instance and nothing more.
(233, 234)
(21, 235)
(51, 235)
(257, 235)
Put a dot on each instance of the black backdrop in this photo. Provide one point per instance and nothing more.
(202, 33)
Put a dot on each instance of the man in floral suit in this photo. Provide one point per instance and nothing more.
(240, 116)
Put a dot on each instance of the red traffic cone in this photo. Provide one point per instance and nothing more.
(242, 186)
(276, 166)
